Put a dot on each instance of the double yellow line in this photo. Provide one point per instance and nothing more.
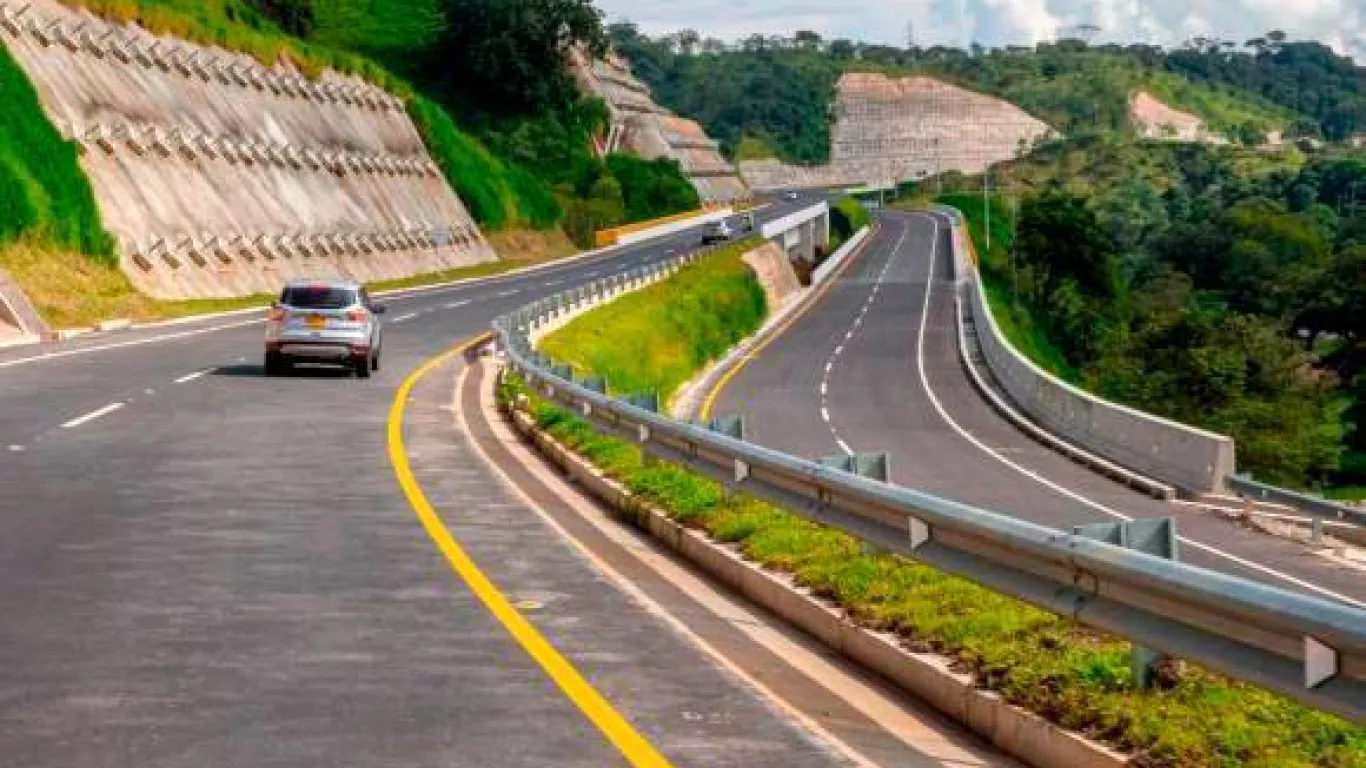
(598, 710)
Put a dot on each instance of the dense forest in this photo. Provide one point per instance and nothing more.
(776, 92)
(1196, 290)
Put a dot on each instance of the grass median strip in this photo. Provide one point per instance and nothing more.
(658, 337)
(1043, 663)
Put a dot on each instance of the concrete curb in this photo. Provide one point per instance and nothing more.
(1013, 730)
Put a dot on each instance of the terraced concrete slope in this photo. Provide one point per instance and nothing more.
(888, 130)
(642, 127)
(221, 177)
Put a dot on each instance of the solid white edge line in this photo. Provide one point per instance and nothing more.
(89, 417)
(130, 343)
(1059, 489)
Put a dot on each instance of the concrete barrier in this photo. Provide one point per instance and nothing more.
(1193, 460)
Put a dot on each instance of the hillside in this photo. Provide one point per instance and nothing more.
(264, 99)
(778, 94)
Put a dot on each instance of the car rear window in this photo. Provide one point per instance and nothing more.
(318, 297)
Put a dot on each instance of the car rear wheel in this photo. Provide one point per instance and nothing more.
(374, 361)
(363, 367)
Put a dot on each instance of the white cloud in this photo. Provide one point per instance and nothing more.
(1339, 23)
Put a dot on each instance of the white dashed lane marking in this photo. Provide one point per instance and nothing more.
(192, 376)
(404, 318)
(89, 417)
(512, 292)
(839, 349)
(455, 304)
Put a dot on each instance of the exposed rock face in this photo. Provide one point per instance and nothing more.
(646, 129)
(220, 177)
(1155, 120)
(889, 130)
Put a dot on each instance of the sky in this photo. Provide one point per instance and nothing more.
(1338, 23)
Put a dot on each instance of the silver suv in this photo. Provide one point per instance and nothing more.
(324, 321)
(717, 232)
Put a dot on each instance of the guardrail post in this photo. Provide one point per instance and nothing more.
(648, 401)
(875, 466)
(731, 426)
(1152, 537)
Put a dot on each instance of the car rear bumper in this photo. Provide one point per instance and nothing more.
(319, 350)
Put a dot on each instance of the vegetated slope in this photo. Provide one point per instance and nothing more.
(1201, 283)
(654, 339)
(1307, 77)
(1041, 662)
(44, 196)
(780, 91)
(493, 100)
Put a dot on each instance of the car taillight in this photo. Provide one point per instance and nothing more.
(275, 314)
(357, 316)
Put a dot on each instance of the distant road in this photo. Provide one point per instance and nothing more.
(853, 374)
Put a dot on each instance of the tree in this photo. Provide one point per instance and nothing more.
(841, 48)
(807, 40)
(510, 56)
(688, 40)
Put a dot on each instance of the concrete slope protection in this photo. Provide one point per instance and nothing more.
(219, 176)
(204, 566)
(875, 366)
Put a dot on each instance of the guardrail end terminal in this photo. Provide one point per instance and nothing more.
(1320, 662)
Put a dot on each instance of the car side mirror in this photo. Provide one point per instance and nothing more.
(378, 309)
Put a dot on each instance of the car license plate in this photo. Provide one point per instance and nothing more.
(316, 322)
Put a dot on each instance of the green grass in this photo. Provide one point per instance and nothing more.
(655, 339)
(44, 195)
(1011, 314)
(1036, 660)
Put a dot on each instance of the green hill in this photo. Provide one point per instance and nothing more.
(779, 92)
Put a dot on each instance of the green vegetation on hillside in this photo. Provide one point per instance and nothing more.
(779, 91)
(1307, 77)
(1168, 279)
(1041, 662)
(847, 216)
(655, 339)
(44, 195)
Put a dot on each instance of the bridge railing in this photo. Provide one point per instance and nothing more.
(1310, 649)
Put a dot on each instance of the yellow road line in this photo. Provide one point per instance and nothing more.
(739, 365)
(637, 751)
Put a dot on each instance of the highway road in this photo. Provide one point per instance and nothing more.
(206, 567)
(874, 366)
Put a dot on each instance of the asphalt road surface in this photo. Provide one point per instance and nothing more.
(202, 566)
(852, 374)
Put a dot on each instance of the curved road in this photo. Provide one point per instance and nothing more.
(205, 567)
(874, 366)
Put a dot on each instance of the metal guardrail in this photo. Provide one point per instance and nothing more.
(1307, 648)
(1313, 506)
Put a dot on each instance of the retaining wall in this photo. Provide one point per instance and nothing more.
(221, 177)
(888, 130)
(1193, 460)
